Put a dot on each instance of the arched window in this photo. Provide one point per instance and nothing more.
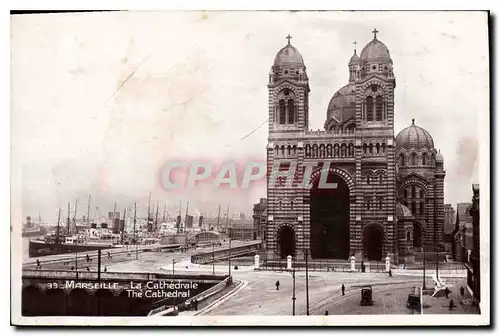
(351, 150)
(414, 159)
(405, 192)
(280, 205)
(289, 148)
(291, 112)
(291, 205)
(378, 148)
(282, 150)
(343, 150)
(367, 179)
(368, 204)
(277, 150)
(413, 191)
(421, 193)
(379, 108)
(315, 151)
(322, 150)
(402, 160)
(369, 109)
(282, 117)
(381, 179)
(365, 151)
(336, 150)
(329, 150)
(370, 147)
(422, 208)
(383, 147)
(308, 150)
(408, 236)
(380, 203)
(424, 159)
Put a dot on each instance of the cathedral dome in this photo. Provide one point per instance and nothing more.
(288, 55)
(414, 137)
(375, 50)
(342, 103)
(354, 59)
(439, 157)
(403, 211)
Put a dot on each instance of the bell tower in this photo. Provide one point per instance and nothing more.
(288, 91)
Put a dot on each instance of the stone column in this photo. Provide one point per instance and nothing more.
(387, 264)
(289, 262)
(256, 261)
(353, 263)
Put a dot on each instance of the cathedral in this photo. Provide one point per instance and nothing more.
(388, 199)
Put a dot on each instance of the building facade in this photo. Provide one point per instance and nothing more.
(378, 176)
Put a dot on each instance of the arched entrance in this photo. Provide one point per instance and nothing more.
(286, 241)
(329, 229)
(417, 235)
(373, 242)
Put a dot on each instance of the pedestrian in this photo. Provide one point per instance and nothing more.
(390, 274)
(462, 290)
(446, 292)
(196, 304)
(105, 269)
(88, 269)
(326, 312)
(451, 305)
(277, 285)
(72, 268)
(88, 258)
(109, 255)
(38, 264)
(343, 289)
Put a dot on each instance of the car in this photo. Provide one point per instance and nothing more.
(366, 296)
(413, 301)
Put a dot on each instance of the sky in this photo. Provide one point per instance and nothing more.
(100, 102)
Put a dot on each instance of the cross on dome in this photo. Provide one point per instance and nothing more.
(354, 45)
(375, 31)
(288, 38)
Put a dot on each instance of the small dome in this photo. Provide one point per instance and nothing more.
(439, 157)
(403, 211)
(414, 137)
(354, 59)
(375, 50)
(345, 99)
(288, 55)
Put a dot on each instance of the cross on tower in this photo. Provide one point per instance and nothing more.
(288, 38)
(354, 45)
(375, 31)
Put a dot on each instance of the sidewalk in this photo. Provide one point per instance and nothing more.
(439, 305)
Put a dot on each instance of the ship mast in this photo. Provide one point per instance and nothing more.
(88, 213)
(186, 219)
(122, 229)
(179, 216)
(135, 220)
(164, 213)
(68, 222)
(156, 218)
(39, 219)
(74, 216)
(218, 218)
(57, 230)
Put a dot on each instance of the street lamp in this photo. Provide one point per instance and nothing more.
(293, 297)
(173, 277)
(213, 258)
(230, 247)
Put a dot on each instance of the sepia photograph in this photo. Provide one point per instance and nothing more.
(250, 168)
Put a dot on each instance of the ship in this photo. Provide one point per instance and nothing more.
(31, 229)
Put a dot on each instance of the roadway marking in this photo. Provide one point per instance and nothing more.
(223, 299)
